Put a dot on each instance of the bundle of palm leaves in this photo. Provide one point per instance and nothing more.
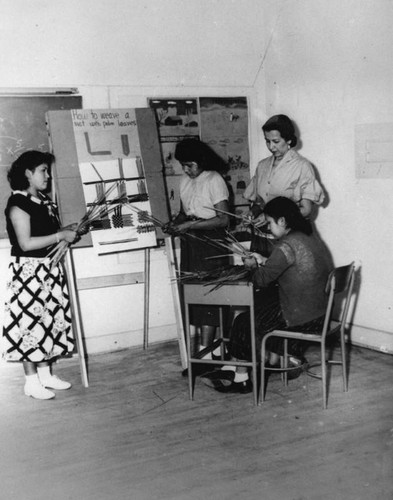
(99, 209)
(216, 278)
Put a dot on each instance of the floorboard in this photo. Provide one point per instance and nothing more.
(134, 434)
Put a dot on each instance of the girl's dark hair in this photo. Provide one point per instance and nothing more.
(284, 125)
(29, 160)
(194, 150)
(289, 210)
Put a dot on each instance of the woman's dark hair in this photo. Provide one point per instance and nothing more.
(194, 150)
(284, 125)
(289, 210)
(29, 160)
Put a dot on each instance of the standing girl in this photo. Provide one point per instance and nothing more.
(37, 322)
(202, 189)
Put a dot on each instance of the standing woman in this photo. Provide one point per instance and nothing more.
(37, 322)
(202, 189)
(284, 173)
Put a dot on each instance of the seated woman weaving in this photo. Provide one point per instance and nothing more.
(300, 265)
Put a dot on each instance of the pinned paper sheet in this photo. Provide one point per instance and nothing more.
(132, 168)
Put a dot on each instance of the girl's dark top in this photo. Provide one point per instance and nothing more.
(43, 221)
(301, 265)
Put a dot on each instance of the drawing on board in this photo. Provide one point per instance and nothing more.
(224, 127)
(221, 122)
(108, 151)
(176, 119)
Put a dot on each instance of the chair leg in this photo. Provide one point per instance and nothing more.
(263, 377)
(254, 357)
(324, 375)
(285, 364)
(189, 355)
(344, 360)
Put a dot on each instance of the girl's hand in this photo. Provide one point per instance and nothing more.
(183, 227)
(70, 227)
(169, 228)
(248, 218)
(254, 260)
(260, 259)
(67, 235)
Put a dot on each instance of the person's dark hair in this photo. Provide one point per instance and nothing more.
(194, 150)
(29, 160)
(289, 210)
(284, 125)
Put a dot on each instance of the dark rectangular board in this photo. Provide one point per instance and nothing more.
(23, 127)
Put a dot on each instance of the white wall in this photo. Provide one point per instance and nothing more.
(326, 64)
(329, 67)
(118, 57)
(156, 43)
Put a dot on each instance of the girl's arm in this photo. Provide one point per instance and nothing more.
(21, 223)
(272, 269)
(220, 220)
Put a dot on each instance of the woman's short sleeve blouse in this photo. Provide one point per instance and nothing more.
(293, 177)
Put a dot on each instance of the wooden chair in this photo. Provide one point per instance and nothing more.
(340, 281)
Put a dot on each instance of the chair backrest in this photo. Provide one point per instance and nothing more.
(340, 281)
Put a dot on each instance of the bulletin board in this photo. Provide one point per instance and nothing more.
(220, 122)
(97, 148)
(23, 127)
(374, 151)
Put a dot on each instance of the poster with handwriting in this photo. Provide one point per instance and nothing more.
(113, 179)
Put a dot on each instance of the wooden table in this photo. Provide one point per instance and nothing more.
(236, 294)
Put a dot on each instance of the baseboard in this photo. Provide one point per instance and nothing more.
(372, 339)
(124, 340)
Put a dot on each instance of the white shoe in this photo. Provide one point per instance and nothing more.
(56, 383)
(37, 391)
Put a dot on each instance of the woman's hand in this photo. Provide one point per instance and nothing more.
(260, 220)
(254, 216)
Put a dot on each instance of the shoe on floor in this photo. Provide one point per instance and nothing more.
(296, 367)
(218, 378)
(299, 365)
(37, 391)
(235, 387)
(197, 370)
(56, 383)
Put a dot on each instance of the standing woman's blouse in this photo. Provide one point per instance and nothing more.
(293, 178)
(206, 190)
(43, 220)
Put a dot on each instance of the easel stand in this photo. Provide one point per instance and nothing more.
(75, 285)
(76, 317)
(147, 299)
(172, 266)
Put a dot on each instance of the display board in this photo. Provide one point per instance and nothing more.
(23, 127)
(220, 122)
(99, 148)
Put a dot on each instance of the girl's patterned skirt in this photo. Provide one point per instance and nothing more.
(37, 321)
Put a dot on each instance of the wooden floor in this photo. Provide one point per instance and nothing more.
(134, 434)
